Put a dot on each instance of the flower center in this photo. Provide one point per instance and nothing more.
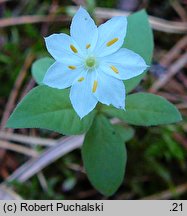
(90, 62)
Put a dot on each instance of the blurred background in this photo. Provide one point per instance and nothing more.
(34, 164)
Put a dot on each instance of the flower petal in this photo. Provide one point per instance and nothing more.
(111, 36)
(81, 95)
(63, 48)
(83, 30)
(60, 76)
(110, 91)
(124, 64)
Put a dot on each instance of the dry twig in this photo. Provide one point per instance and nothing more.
(3, 1)
(174, 52)
(102, 13)
(18, 148)
(172, 70)
(30, 140)
(30, 84)
(180, 139)
(35, 165)
(157, 23)
(42, 181)
(8, 194)
(179, 9)
(168, 194)
(31, 19)
(172, 97)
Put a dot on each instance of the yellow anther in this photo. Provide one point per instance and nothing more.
(72, 67)
(111, 42)
(81, 79)
(88, 46)
(73, 49)
(95, 86)
(114, 69)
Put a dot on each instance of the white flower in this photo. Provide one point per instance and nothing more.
(92, 62)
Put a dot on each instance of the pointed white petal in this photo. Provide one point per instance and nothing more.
(111, 36)
(83, 30)
(110, 91)
(81, 95)
(124, 64)
(63, 48)
(60, 76)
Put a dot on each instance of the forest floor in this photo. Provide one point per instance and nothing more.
(31, 164)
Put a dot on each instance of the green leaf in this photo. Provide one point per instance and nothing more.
(49, 108)
(146, 110)
(90, 6)
(40, 67)
(104, 156)
(126, 133)
(139, 38)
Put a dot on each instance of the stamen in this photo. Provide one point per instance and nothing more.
(95, 86)
(72, 67)
(81, 79)
(111, 42)
(73, 49)
(114, 69)
(88, 46)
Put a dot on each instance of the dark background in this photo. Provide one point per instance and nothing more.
(157, 156)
